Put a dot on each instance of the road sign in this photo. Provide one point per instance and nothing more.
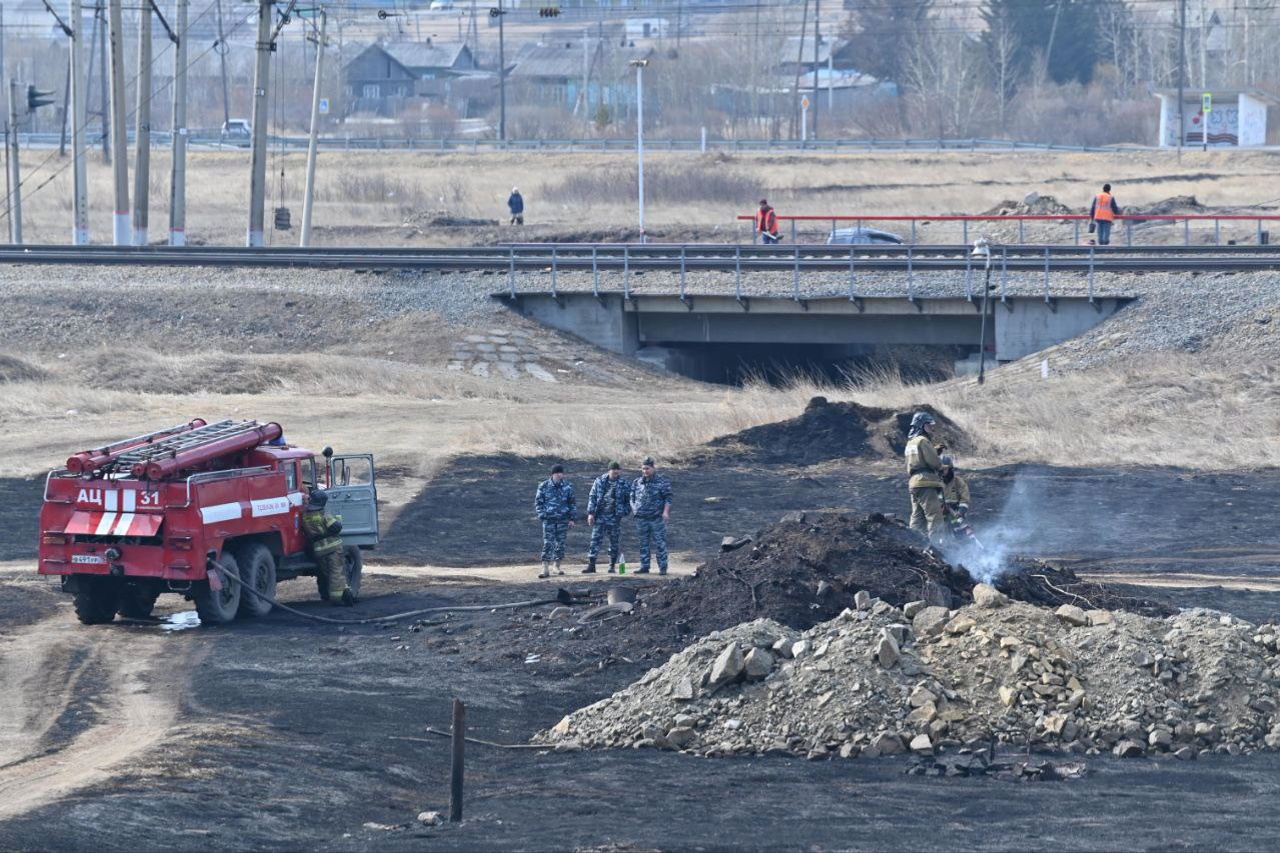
(1206, 103)
(324, 106)
(804, 102)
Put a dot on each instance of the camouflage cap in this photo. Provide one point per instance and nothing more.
(648, 462)
(614, 466)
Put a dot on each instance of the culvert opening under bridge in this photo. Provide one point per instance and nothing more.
(782, 363)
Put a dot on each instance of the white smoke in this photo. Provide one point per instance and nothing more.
(1018, 529)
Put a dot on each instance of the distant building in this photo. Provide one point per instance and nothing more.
(1235, 118)
(384, 78)
(580, 75)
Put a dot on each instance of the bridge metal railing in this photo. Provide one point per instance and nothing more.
(802, 227)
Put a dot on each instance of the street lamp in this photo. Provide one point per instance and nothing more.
(982, 249)
(639, 65)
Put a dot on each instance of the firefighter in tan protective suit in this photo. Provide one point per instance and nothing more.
(322, 531)
(925, 486)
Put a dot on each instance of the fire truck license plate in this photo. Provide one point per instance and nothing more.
(87, 558)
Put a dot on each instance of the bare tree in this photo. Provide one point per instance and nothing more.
(944, 75)
(1002, 56)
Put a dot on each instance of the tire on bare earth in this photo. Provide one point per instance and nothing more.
(138, 600)
(353, 562)
(258, 568)
(96, 599)
(219, 607)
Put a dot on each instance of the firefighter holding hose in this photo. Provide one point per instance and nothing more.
(322, 532)
(925, 486)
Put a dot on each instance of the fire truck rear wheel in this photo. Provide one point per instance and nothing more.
(220, 606)
(96, 599)
(353, 562)
(259, 569)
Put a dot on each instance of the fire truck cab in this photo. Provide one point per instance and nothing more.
(210, 511)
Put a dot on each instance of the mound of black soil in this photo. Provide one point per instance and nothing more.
(827, 431)
(806, 570)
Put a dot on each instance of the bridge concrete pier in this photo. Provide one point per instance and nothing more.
(676, 332)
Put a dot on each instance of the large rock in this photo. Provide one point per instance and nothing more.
(862, 600)
(930, 621)
(887, 743)
(887, 650)
(682, 690)
(1128, 749)
(921, 745)
(960, 625)
(926, 713)
(757, 664)
(727, 667)
(1072, 615)
(987, 596)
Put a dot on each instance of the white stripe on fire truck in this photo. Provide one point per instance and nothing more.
(112, 501)
(221, 512)
(126, 519)
(130, 500)
(105, 523)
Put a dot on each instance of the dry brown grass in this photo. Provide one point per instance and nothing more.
(362, 192)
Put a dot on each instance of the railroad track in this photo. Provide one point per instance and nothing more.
(673, 257)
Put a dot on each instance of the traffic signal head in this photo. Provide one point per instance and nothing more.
(37, 98)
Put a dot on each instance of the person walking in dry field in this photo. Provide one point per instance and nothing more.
(651, 503)
(925, 485)
(556, 508)
(766, 222)
(608, 503)
(1102, 213)
(515, 204)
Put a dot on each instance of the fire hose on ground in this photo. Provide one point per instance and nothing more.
(562, 597)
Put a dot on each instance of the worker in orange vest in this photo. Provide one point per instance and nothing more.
(766, 223)
(1102, 213)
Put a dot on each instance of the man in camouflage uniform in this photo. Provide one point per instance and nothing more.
(556, 508)
(651, 503)
(925, 486)
(321, 530)
(608, 503)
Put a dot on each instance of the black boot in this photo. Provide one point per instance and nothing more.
(591, 566)
(643, 571)
(613, 567)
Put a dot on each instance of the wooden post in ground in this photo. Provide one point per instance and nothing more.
(455, 768)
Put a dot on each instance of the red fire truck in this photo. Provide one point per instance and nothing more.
(162, 512)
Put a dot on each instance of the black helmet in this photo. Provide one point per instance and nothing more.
(317, 499)
(921, 419)
(947, 462)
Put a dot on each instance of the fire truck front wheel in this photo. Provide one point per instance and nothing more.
(259, 569)
(217, 607)
(96, 599)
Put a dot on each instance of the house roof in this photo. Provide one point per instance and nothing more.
(428, 54)
(791, 50)
(564, 60)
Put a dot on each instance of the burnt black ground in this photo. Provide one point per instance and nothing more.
(291, 731)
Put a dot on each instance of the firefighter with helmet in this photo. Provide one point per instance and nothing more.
(925, 485)
(322, 531)
(955, 491)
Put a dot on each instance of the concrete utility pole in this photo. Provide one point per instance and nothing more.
(79, 120)
(640, 64)
(502, 76)
(15, 173)
(222, 58)
(142, 132)
(178, 168)
(258, 166)
(817, 39)
(1182, 65)
(119, 140)
(315, 130)
(104, 82)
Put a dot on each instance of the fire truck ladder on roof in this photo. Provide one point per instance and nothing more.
(175, 444)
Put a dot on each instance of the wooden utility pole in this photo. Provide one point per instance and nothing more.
(502, 76)
(258, 164)
(79, 121)
(312, 142)
(119, 141)
(142, 131)
(178, 168)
